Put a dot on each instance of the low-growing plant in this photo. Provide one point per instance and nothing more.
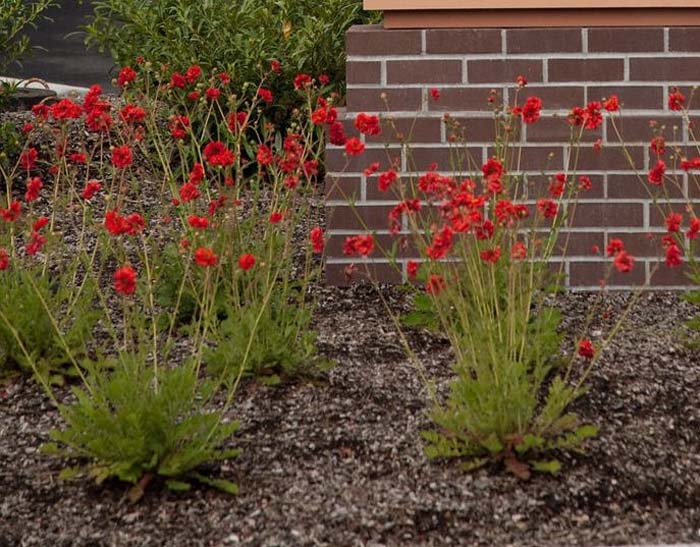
(15, 17)
(486, 236)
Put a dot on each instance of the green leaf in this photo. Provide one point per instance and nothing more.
(473, 464)
(50, 449)
(222, 484)
(551, 466)
(528, 443)
(492, 444)
(177, 486)
(70, 473)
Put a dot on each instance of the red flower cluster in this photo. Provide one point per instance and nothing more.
(205, 257)
(676, 100)
(116, 224)
(361, 245)
(4, 259)
(367, 124)
(91, 188)
(530, 111)
(12, 213)
(656, 173)
(590, 117)
(623, 261)
(217, 154)
(126, 76)
(354, 146)
(585, 349)
(246, 261)
(27, 159)
(34, 186)
(318, 242)
(121, 157)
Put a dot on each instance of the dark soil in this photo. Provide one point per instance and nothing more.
(339, 461)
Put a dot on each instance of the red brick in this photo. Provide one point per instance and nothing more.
(342, 188)
(610, 157)
(642, 97)
(554, 98)
(551, 40)
(463, 99)
(625, 39)
(459, 158)
(471, 130)
(463, 41)
(663, 275)
(375, 40)
(586, 70)
(665, 69)
(684, 39)
(558, 129)
(409, 130)
(360, 218)
(642, 245)
(634, 186)
(335, 274)
(338, 162)
(503, 70)
(637, 129)
(659, 211)
(429, 71)
(397, 99)
(578, 243)
(537, 158)
(589, 274)
(361, 72)
(590, 215)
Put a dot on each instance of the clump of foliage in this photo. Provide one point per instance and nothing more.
(486, 233)
(239, 36)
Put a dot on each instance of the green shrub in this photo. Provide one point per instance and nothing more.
(240, 36)
(15, 16)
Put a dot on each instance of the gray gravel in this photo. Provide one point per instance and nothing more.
(339, 461)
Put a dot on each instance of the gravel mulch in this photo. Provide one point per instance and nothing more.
(338, 461)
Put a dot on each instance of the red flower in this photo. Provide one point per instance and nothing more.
(4, 259)
(134, 224)
(77, 157)
(188, 192)
(584, 183)
(441, 243)
(213, 94)
(336, 134)
(656, 173)
(125, 280)
(673, 222)
(585, 349)
(412, 269)
(197, 174)
(491, 255)
(132, 114)
(264, 155)
(91, 188)
(492, 168)
(115, 223)
(435, 94)
(694, 228)
(614, 246)
(12, 213)
(275, 66)
(593, 118)
(658, 145)
(121, 156)
(676, 99)
(367, 124)
(126, 76)
(361, 245)
(35, 244)
(624, 262)
(178, 127)
(371, 169)
(41, 111)
(354, 146)
(246, 261)
(177, 81)
(205, 257)
(521, 81)
(611, 104)
(547, 207)
(531, 110)
(199, 223)
(556, 188)
(673, 256)
(302, 80)
(518, 251)
(265, 95)
(323, 79)
(193, 96)
(40, 223)
(386, 179)
(435, 284)
(318, 242)
(27, 128)
(92, 97)
(291, 182)
(193, 73)
(98, 121)
(216, 153)
(276, 217)
(577, 116)
(27, 159)
(34, 186)
(319, 116)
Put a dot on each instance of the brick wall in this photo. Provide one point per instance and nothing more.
(565, 67)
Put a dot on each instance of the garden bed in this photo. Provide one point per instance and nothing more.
(339, 461)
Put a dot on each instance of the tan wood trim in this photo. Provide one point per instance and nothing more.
(608, 17)
(409, 5)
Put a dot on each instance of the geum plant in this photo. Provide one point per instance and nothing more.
(486, 236)
(151, 198)
(672, 183)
